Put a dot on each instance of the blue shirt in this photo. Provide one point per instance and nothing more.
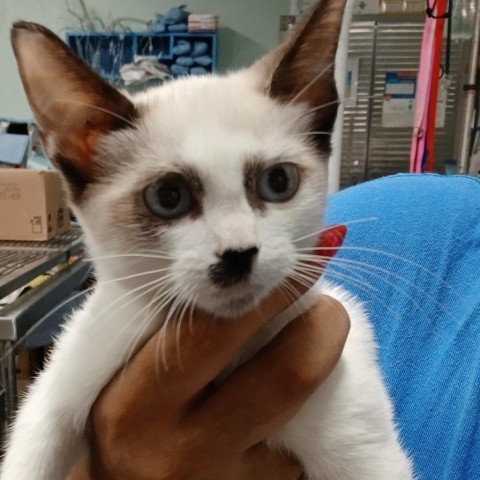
(413, 258)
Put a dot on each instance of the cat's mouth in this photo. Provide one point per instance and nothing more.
(235, 301)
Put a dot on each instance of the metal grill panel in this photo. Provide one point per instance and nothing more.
(355, 121)
(385, 151)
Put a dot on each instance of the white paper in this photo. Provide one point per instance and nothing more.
(399, 99)
(351, 83)
(441, 104)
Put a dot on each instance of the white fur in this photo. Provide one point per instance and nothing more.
(214, 125)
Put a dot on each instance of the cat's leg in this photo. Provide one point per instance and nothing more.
(44, 441)
(49, 430)
(346, 430)
(47, 433)
(336, 439)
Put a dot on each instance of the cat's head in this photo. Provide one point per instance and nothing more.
(215, 185)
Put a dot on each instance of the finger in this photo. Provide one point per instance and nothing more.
(262, 463)
(265, 393)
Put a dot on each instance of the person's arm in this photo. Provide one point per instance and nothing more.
(157, 423)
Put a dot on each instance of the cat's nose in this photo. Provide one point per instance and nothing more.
(233, 267)
(239, 260)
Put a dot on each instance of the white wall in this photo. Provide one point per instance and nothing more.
(248, 29)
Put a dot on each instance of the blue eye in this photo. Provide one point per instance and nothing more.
(278, 183)
(169, 198)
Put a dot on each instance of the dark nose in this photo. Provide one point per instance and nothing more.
(233, 267)
(239, 260)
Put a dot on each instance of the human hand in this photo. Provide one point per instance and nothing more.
(150, 423)
(154, 423)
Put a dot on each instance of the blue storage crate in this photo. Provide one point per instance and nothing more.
(106, 52)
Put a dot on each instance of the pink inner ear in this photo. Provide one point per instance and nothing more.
(330, 241)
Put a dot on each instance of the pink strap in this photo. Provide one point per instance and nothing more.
(424, 80)
(429, 163)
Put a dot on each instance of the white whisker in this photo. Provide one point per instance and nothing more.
(190, 314)
(181, 316)
(155, 288)
(316, 109)
(100, 109)
(364, 287)
(72, 298)
(294, 293)
(315, 79)
(40, 322)
(307, 281)
(339, 101)
(161, 341)
(173, 316)
(377, 272)
(154, 284)
(357, 269)
(430, 273)
(357, 282)
(130, 255)
(317, 133)
(331, 227)
(145, 323)
(136, 275)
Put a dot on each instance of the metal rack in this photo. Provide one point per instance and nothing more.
(107, 52)
(18, 317)
(384, 43)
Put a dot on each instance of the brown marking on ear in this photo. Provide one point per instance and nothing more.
(302, 69)
(73, 105)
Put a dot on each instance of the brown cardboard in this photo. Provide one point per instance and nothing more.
(32, 205)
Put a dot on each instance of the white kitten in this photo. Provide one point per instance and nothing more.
(221, 182)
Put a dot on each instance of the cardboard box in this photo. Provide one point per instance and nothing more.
(32, 205)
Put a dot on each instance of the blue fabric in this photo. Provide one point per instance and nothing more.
(184, 61)
(175, 20)
(199, 48)
(203, 60)
(183, 47)
(176, 15)
(158, 26)
(419, 277)
(198, 71)
(178, 28)
(179, 70)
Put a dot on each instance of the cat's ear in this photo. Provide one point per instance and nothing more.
(73, 106)
(302, 68)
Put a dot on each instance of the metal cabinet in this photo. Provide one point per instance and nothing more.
(369, 149)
